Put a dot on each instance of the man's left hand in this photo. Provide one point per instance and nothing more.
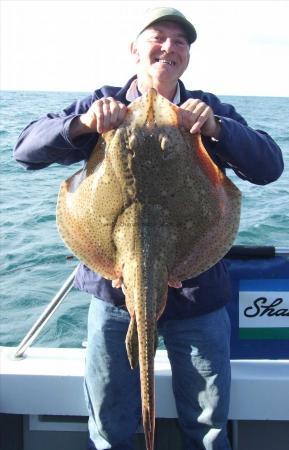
(197, 117)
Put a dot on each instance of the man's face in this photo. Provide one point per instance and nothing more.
(162, 51)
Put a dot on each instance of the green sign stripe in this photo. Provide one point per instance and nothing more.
(264, 333)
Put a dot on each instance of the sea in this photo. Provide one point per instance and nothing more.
(34, 261)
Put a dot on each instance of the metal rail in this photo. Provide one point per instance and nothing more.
(45, 316)
(282, 251)
(242, 251)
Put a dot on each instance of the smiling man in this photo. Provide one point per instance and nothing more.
(162, 54)
(195, 325)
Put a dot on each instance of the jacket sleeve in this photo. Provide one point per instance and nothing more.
(46, 141)
(252, 154)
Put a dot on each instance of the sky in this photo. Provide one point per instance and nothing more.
(71, 45)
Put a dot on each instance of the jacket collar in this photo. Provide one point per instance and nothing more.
(121, 94)
(133, 93)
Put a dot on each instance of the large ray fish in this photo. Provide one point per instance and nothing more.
(149, 208)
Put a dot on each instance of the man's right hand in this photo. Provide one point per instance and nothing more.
(104, 114)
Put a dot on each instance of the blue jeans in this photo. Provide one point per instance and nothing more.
(198, 350)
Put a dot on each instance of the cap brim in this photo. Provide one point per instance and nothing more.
(189, 29)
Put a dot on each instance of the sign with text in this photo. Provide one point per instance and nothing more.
(264, 309)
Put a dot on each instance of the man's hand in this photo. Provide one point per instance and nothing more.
(197, 117)
(104, 114)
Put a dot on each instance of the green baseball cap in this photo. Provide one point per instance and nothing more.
(160, 14)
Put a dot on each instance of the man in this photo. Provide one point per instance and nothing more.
(194, 325)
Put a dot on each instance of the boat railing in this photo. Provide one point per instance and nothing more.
(45, 316)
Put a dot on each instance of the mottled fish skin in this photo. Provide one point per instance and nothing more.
(150, 207)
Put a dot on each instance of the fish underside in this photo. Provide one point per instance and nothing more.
(150, 207)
